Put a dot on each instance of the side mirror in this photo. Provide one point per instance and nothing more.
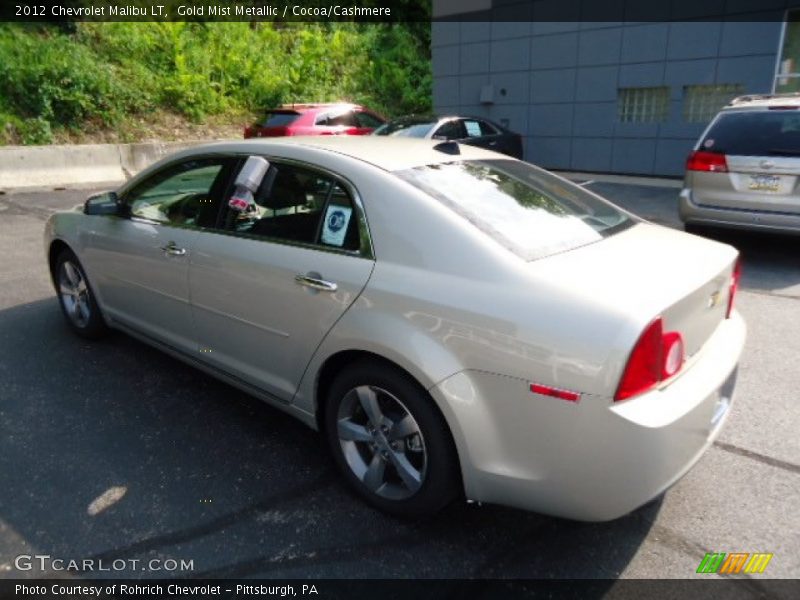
(102, 204)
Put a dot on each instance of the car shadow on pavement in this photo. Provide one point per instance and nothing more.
(113, 450)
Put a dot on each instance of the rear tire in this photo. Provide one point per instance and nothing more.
(390, 441)
(76, 298)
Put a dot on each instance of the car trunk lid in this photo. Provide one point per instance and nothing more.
(648, 271)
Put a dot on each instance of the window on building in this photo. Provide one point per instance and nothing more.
(643, 104)
(702, 102)
(787, 75)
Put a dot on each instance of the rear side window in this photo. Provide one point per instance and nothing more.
(278, 119)
(487, 129)
(337, 119)
(751, 133)
(300, 205)
(405, 129)
(452, 130)
(366, 119)
(527, 210)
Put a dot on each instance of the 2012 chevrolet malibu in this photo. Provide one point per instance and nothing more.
(456, 322)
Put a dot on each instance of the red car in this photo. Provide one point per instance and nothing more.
(315, 119)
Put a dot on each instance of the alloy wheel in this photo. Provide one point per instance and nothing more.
(382, 442)
(74, 294)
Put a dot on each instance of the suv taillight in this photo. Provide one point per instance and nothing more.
(699, 160)
(655, 357)
(735, 276)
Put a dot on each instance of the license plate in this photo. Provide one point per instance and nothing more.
(764, 183)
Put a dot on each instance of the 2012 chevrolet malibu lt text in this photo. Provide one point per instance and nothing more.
(456, 322)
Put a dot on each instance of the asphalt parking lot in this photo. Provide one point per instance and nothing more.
(211, 475)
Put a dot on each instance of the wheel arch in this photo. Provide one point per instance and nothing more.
(342, 359)
(57, 246)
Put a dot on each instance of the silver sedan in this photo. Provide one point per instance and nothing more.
(458, 324)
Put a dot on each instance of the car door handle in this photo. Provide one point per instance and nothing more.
(173, 249)
(315, 283)
(493, 143)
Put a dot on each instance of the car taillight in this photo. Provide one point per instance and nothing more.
(673, 354)
(248, 132)
(735, 276)
(655, 357)
(700, 160)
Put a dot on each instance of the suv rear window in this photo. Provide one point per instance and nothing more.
(755, 133)
(278, 119)
(529, 211)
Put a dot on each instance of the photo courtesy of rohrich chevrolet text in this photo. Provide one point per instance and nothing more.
(399, 297)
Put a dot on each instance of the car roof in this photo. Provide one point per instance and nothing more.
(763, 101)
(314, 107)
(436, 118)
(388, 153)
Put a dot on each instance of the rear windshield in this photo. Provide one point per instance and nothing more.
(527, 210)
(405, 129)
(762, 133)
(278, 119)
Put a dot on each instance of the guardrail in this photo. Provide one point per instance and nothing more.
(43, 166)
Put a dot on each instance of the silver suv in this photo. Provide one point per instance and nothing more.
(743, 172)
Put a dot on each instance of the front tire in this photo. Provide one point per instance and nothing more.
(390, 441)
(76, 298)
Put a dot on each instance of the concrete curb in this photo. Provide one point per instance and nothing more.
(24, 167)
(40, 166)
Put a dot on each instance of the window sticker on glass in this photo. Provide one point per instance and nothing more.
(473, 128)
(337, 218)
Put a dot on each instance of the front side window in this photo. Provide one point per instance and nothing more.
(296, 204)
(185, 194)
(529, 211)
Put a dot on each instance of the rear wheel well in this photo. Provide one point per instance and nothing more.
(338, 362)
(332, 367)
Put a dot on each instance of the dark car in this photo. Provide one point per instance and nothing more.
(476, 131)
(315, 119)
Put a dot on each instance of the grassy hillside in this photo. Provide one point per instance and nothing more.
(133, 81)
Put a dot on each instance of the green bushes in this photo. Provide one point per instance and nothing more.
(105, 73)
(60, 82)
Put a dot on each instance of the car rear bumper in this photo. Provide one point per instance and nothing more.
(591, 460)
(693, 213)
